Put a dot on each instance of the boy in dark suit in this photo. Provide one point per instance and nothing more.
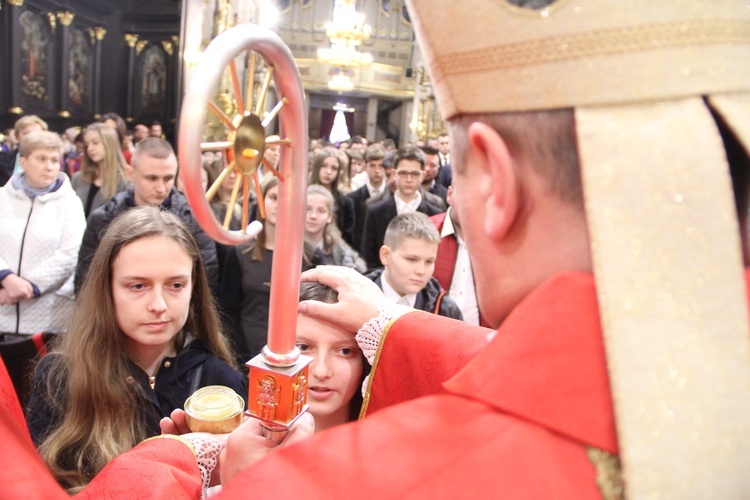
(409, 169)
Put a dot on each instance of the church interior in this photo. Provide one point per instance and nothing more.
(72, 61)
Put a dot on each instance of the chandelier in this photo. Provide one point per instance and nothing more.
(346, 32)
(340, 82)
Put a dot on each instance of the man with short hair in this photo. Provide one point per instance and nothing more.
(429, 181)
(409, 168)
(152, 174)
(140, 132)
(356, 144)
(156, 130)
(374, 186)
(444, 149)
(390, 182)
(445, 176)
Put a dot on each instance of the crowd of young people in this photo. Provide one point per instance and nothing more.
(148, 322)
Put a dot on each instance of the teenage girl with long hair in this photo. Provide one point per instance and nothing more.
(116, 122)
(322, 233)
(103, 171)
(245, 288)
(220, 203)
(246, 283)
(145, 334)
(327, 166)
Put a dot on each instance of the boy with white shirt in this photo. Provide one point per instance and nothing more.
(408, 256)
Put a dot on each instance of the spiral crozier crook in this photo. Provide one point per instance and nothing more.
(278, 376)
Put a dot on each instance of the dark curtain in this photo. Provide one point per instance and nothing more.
(350, 122)
(326, 122)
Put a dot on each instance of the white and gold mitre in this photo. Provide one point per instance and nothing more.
(649, 82)
(580, 53)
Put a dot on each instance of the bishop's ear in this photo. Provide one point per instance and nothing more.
(499, 182)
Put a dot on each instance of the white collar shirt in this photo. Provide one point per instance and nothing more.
(403, 207)
(406, 300)
(375, 191)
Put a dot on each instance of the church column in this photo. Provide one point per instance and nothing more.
(14, 27)
(63, 41)
(98, 34)
(132, 40)
(170, 63)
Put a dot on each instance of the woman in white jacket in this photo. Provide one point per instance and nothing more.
(40, 234)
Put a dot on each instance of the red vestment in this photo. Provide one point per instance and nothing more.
(514, 420)
(160, 468)
(10, 404)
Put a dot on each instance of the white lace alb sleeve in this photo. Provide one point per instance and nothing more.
(206, 451)
(368, 337)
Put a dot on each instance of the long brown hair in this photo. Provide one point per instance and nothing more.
(256, 250)
(112, 168)
(317, 164)
(100, 407)
(331, 233)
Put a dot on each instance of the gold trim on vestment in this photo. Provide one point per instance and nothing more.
(608, 473)
(366, 399)
(596, 43)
